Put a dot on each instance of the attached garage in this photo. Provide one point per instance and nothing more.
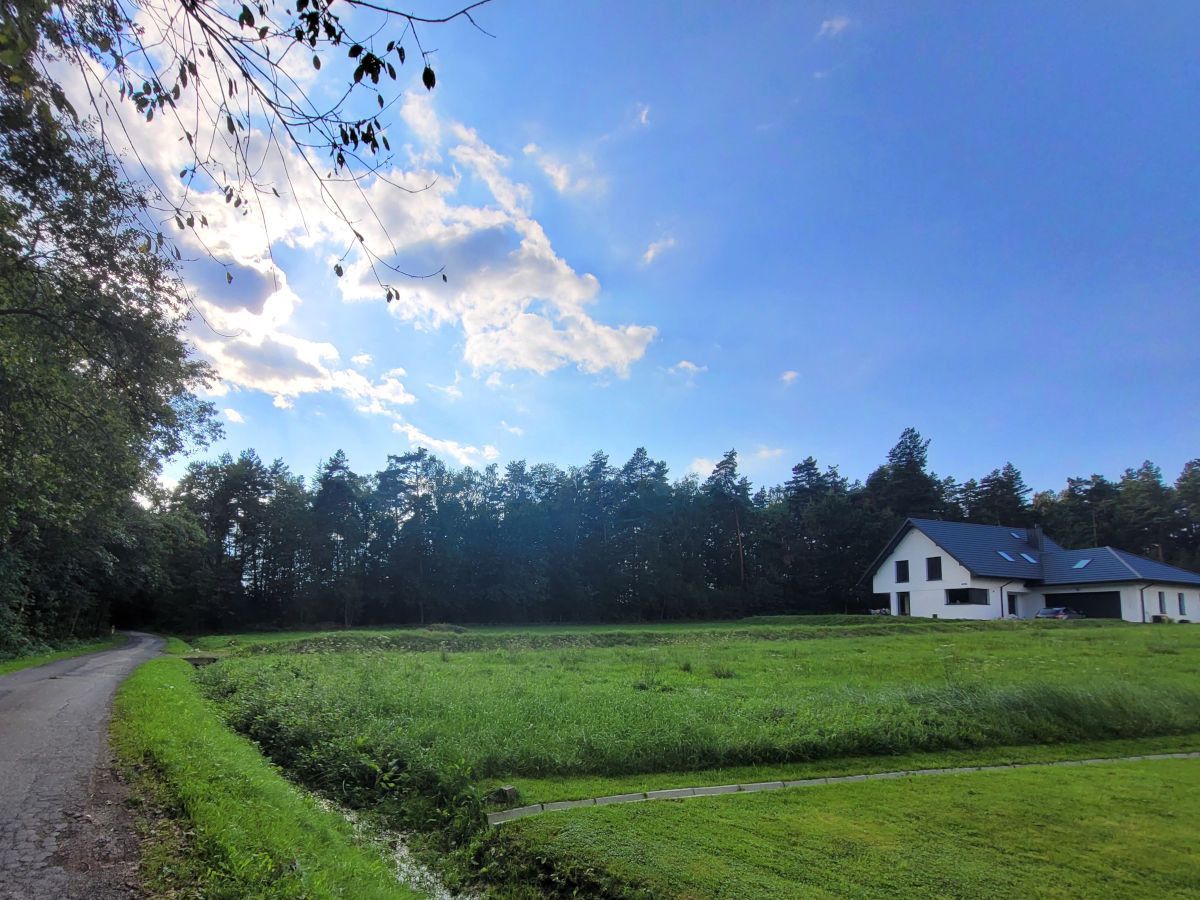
(1094, 604)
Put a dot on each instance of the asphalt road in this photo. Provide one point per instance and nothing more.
(53, 725)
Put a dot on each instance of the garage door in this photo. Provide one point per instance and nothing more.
(1094, 605)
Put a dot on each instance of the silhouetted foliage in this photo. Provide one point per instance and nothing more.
(418, 542)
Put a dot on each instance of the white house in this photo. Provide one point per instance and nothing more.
(957, 570)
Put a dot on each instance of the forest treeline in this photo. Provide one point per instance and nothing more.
(242, 543)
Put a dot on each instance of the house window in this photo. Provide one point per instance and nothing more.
(1082, 563)
(902, 607)
(1182, 605)
(933, 568)
(901, 570)
(1162, 602)
(961, 596)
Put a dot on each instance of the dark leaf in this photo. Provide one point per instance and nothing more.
(229, 124)
(229, 278)
(355, 51)
(316, 61)
(444, 278)
(338, 270)
(400, 53)
(428, 78)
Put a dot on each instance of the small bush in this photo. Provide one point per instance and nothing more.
(722, 671)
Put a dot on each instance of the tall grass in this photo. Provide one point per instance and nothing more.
(418, 732)
(762, 628)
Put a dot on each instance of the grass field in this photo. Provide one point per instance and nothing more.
(418, 725)
(1102, 831)
(78, 649)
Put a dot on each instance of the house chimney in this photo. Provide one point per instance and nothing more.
(1035, 536)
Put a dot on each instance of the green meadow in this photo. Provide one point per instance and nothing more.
(417, 726)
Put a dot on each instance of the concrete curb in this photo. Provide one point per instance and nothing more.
(522, 812)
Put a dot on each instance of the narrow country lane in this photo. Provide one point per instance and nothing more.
(53, 722)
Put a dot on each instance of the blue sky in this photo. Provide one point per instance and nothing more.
(793, 229)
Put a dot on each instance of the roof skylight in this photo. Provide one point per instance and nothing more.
(1019, 537)
(1028, 558)
(1006, 556)
(1082, 563)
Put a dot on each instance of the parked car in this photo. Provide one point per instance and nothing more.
(1059, 612)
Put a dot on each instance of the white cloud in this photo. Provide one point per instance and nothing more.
(702, 465)
(512, 429)
(643, 114)
(516, 301)
(762, 451)
(562, 176)
(464, 455)
(261, 356)
(687, 368)
(833, 27)
(451, 390)
(656, 248)
(789, 376)
(233, 415)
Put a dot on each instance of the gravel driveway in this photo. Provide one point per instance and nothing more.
(55, 771)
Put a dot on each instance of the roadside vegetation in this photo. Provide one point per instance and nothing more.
(247, 831)
(419, 726)
(59, 650)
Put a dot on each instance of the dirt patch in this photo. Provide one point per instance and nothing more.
(100, 849)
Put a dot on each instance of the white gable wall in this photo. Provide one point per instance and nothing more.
(928, 598)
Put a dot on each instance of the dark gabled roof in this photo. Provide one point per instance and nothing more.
(1104, 565)
(1152, 570)
(977, 548)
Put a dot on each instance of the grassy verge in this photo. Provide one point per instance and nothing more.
(177, 646)
(547, 790)
(1119, 830)
(78, 649)
(252, 834)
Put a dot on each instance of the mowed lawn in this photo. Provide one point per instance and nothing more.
(1114, 830)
